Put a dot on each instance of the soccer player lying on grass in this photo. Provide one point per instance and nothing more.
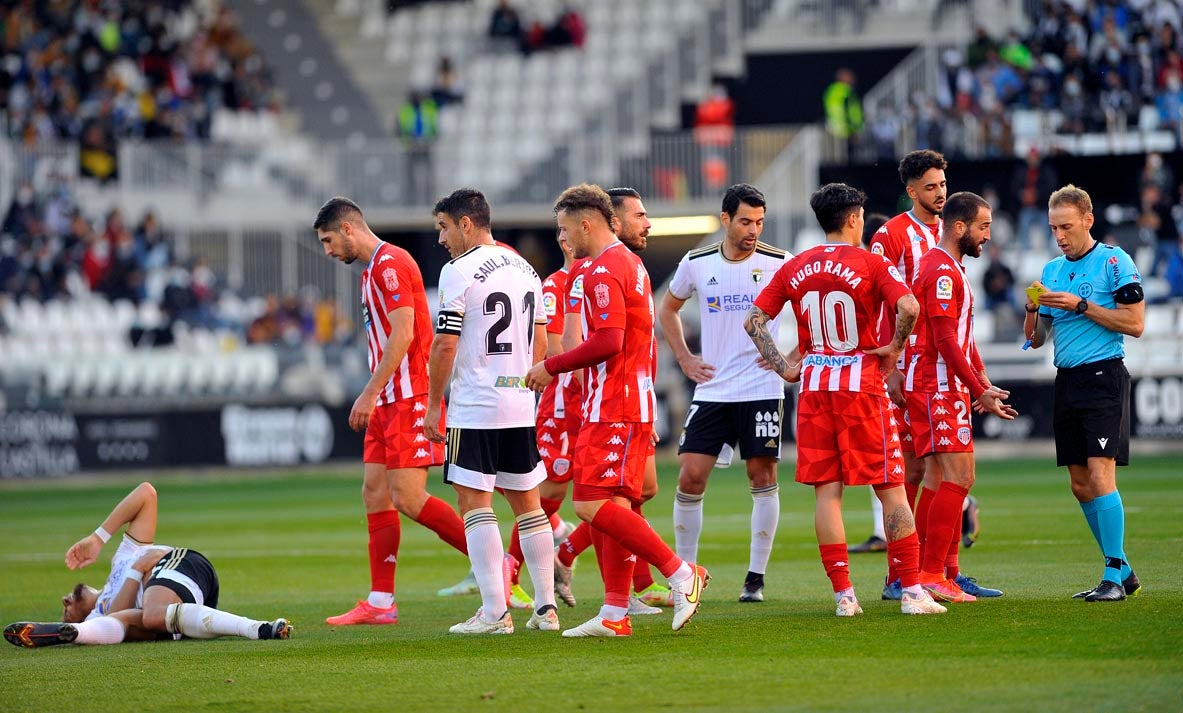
(152, 592)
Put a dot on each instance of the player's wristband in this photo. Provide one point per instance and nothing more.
(1031, 311)
(134, 575)
(103, 534)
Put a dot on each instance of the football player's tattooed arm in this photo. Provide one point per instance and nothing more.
(756, 325)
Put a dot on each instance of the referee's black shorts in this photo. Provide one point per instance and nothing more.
(1092, 413)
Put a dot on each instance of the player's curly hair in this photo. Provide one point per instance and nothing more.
(1073, 196)
(586, 197)
(465, 202)
(917, 163)
(335, 211)
(833, 203)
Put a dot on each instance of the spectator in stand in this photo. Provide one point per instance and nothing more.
(979, 48)
(418, 125)
(1116, 103)
(1158, 226)
(1032, 185)
(998, 283)
(1155, 172)
(446, 89)
(843, 109)
(1174, 273)
(505, 25)
(24, 215)
(1169, 102)
(569, 29)
(152, 244)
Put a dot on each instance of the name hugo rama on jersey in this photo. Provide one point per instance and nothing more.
(829, 267)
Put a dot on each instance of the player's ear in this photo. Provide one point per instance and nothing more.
(1088, 220)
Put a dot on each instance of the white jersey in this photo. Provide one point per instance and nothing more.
(492, 299)
(125, 556)
(726, 290)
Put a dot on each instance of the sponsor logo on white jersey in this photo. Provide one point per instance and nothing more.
(712, 281)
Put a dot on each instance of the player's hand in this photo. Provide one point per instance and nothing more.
(431, 424)
(991, 401)
(1059, 300)
(148, 560)
(696, 369)
(895, 388)
(538, 377)
(363, 408)
(888, 355)
(84, 552)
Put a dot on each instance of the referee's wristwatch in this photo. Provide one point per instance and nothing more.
(1082, 306)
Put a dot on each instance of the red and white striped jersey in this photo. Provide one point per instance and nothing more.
(944, 294)
(837, 293)
(562, 397)
(617, 294)
(391, 281)
(903, 240)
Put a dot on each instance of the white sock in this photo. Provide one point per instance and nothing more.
(765, 516)
(848, 592)
(915, 590)
(535, 536)
(381, 600)
(965, 504)
(877, 517)
(681, 576)
(199, 622)
(687, 524)
(486, 552)
(100, 630)
(613, 613)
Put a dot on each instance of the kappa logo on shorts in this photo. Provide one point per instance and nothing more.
(897, 453)
(419, 438)
(943, 426)
(617, 425)
(547, 438)
(944, 442)
(421, 453)
(895, 437)
(611, 457)
(963, 435)
(418, 423)
(548, 423)
(897, 470)
(908, 437)
(610, 473)
(544, 452)
(938, 396)
(941, 411)
(616, 441)
(419, 406)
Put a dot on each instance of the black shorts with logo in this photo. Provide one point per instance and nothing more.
(1092, 413)
(756, 427)
(492, 450)
(188, 574)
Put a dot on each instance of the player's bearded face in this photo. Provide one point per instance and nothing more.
(337, 245)
(929, 191)
(744, 229)
(976, 235)
(451, 236)
(634, 225)
(78, 604)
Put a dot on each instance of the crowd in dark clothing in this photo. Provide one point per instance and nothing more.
(96, 71)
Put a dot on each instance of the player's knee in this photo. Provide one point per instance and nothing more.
(692, 483)
(586, 510)
(154, 618)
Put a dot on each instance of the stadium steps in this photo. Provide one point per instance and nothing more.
(313, 79)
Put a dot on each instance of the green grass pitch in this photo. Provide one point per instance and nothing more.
(294, 545)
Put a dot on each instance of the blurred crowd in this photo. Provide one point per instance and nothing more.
(96, 71)
(51, 250)
(1103, 65)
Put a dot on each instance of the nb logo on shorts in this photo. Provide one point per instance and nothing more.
(767, 424)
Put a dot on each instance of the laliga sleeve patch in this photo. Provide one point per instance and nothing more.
(877, 249)
(944, 287)
(549, 304)
(577, 288)
(602, 296)
(390, 277)
(894, 273)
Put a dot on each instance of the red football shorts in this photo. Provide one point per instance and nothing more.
(847, 437)
(394, 436)
(556, 442)
(610, 460)
(941, 422)
(902, 426)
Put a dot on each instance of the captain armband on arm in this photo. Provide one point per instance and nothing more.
(449, 322)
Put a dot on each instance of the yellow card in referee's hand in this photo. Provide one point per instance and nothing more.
(1035, 290)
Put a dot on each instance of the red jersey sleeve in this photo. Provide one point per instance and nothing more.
(890, 285)
(886, 244)
(394, 281)
(603, 297)
(552, 305)
(775, 294)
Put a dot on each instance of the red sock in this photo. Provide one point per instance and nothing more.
(837, 563)
(616, 568)
(952, 567)
(578, 541)
(922, 509)
(550, 506)
(631, 530)
(642, 577)
(515, 549)
(440, 518)
(910, 491)
(385, 533)
(944, 520)
(907, 551)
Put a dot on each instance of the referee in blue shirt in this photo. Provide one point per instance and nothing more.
(1094, 300)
